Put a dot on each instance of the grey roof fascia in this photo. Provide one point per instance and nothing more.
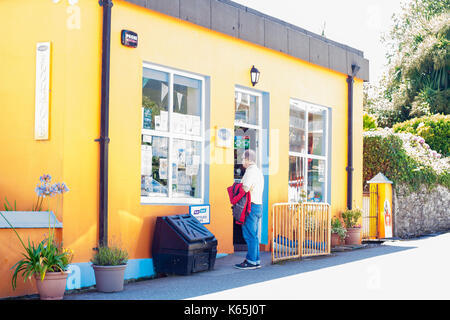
(292, 26)
(260, 30)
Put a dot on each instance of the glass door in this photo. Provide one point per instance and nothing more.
(247, 135)
(247, 128)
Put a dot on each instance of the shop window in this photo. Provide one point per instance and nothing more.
(307, 152)
(172, 143)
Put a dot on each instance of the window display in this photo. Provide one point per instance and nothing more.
(155, 102)
(186, 168)
(316, 127)
(307, 152)
(187, 106)
(297, 123)
(316, 180)
(296, 179)
(154, 166)
(172, 137)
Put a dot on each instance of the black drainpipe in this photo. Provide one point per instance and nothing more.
(355, 69)
(104, 123)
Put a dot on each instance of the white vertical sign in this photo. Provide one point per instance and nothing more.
(387, 219)
(41, 119)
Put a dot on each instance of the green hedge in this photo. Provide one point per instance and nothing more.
(404, 159)
(435, 129)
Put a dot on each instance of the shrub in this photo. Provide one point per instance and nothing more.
(434, 129)
(351, 217)
(338, 228)
(369, 122)
(405, 159)
(110, 256)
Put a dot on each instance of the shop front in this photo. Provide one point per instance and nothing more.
(182, 110)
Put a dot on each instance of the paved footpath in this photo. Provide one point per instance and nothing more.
(406, 269)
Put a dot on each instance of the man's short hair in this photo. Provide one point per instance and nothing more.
(249, 155)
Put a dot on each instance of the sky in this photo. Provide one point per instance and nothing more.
(356, 23)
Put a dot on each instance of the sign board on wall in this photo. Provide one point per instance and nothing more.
(224, 138)
(129, 38)
(201, 213)
(41, 119)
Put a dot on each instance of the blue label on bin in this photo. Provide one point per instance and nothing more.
(201, 213)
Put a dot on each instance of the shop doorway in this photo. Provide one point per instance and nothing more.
(247, 135)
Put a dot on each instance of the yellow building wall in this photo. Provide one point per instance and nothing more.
(71, 154)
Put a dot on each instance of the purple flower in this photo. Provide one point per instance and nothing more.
(45, 178)
(60, 187)
(64, 188)
(54, 188)
(45, 190)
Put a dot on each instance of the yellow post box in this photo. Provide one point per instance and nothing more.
(383, 187)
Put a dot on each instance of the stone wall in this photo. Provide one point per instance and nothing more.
(422, 212)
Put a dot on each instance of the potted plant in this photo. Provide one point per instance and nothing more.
(48, 261)
(338, 232)
(109, 263)
(351, 218)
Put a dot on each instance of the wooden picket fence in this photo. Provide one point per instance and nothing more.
(300, 230)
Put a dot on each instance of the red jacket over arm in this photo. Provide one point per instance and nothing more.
(236, 193)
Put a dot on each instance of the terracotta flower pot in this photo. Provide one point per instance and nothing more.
(335, 240)
(109, 278)
(353, 236)
(53, 286)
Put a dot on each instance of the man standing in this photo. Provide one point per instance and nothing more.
(253, 182)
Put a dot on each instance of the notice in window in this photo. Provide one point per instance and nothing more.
(147, 118)
(162, 121)
(178, 123)
(146, 163)
(193, 125)
(163, 168)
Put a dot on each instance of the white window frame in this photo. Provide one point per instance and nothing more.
(257, 127)
(305, 155)
(169, 199)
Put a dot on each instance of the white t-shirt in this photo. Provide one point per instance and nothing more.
(253, 181)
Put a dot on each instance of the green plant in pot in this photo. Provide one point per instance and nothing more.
(351, 218)
(109, 263)
(47, 261)
(338, 232)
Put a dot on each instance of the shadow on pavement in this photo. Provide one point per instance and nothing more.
(225, 276)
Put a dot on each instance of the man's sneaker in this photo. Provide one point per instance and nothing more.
(247, 266)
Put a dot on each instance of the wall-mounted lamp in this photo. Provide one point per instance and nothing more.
(254, 75)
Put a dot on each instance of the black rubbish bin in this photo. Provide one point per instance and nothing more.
(182, 245)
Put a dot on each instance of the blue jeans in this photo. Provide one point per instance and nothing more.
(250, 231)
